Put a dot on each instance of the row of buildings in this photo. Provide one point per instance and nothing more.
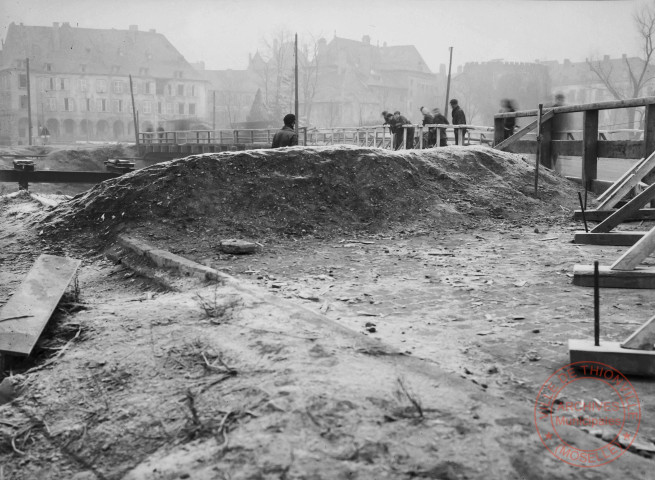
(81, 82)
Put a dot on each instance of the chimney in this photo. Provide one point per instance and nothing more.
(624, 56)
(366, 40)
(567, 62)
(55, 35)
(66, 24)
(606, 58)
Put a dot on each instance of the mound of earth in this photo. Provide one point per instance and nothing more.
(319, 190)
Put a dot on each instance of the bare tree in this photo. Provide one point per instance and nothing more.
(636, 72)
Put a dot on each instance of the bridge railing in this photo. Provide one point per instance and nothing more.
(590, 143)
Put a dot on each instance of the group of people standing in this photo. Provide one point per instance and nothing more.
(401, 133)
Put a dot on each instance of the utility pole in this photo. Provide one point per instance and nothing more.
(450, 64)
(134, 115)
(296, 78)
(29, 102)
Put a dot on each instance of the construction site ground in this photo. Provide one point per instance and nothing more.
(415, 350)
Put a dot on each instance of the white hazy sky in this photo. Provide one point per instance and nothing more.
(223, 32)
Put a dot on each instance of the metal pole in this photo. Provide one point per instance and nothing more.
(450, 64)
(29, 102)
(296, 93)
(214, 114)
(136, 124)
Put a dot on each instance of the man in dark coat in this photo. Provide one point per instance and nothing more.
(439, 119)
(400, 131)
(458, 119)
(509, 123)
(431, 138)
(286, 136)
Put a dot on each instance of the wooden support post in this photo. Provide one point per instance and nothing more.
(538, 156)
(420, 137)
(546, 154)
(590, 148)
(499, 130)
(649, 137)
(643, 338)
(637, 253)
(628, 184)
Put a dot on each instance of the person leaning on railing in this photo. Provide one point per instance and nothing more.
(401, 132)
(440, 119)
(428, 119)
(286, 136)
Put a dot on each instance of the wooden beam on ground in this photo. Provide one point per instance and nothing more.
(628, 184)
(54, 176)
(619, 239)
(626, 211)
(524, 131)
(626, 361)
(27, 312)
(600, 215)
(643, 338)
(637, 253)
(643, 277)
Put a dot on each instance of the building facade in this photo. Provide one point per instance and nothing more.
(80, 86)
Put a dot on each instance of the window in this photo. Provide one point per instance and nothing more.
(87, 104)
(69, 105)
(84, 85)
(177, 74)
(102, 104)
(180, 90)
(169, 108)
(192, 109)
(52, 104)
(101, 86)
(149, 87)
(22, 80)
(118, 106)
(82, 68)
(192, 91)
(170, 90)
(117, 86)
(63, 84)
(23, 101)
(52, 83)
(160, 108)
(147, 107)
(180, 108)
(48, 67)
(143, 71)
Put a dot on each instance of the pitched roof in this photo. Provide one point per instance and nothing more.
(66, 48)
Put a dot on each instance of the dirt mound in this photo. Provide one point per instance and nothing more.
(318, 190)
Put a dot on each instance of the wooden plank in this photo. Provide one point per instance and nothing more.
(637, 253)
(590, 148)
(620, 181)
(619, 239)
(626, 211)
(34, 302)
(54, 176)
(609, 105)
(628, 184)
(626, 361)
(643, 338)
(600, 215)
(643, 277)
(524, 131)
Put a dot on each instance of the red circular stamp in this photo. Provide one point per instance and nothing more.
(594, 397)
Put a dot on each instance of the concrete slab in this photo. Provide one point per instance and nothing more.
(640, 277)
(626, 361)
(621, 239)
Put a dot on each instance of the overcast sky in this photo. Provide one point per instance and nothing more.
(224, 32)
